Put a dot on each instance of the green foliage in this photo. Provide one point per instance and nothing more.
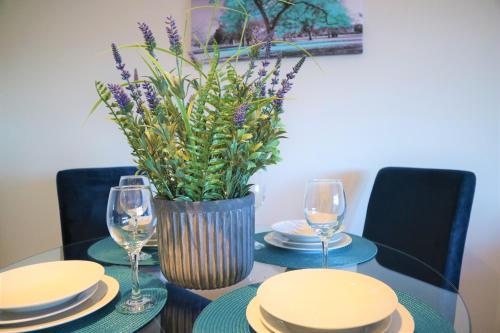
(192, 144)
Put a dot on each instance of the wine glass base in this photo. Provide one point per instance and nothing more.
(129, 306)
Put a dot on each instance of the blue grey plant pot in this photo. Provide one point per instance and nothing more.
(206, 244)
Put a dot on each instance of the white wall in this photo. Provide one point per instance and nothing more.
(426, 93)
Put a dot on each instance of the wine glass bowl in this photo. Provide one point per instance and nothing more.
(324, 209)
(131, 221)
(134, 180)
(259, 191)
(129, 180)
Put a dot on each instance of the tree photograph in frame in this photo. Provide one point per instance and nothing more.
(321, 27)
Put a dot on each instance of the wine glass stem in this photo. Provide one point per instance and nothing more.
(136, 290)
(324, 242)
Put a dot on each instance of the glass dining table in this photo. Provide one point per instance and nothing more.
(184, 305)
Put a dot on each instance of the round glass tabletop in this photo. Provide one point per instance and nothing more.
(183, 305)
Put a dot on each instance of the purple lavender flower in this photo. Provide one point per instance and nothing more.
(135, 92)
(262, 72)
(239, 115)
(295, 69)
(286, 84)
(148, 38)
(117, 56)
(133, 87)
(119, 63)
(119, 95)
(260, 84)
(299, 64)
(125, 75)
(275, 77)
(267, 51)
(265, 59)
(173, 36)
(276, 71)
(249, 72)
(151, 97)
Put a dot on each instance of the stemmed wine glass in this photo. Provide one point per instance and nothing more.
(136, 180)
(259, 191)
(131, 221)
(324, 209)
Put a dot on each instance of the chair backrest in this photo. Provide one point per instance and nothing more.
(425, 213)
(83, 198)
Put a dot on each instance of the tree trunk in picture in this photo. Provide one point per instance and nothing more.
(269, 23)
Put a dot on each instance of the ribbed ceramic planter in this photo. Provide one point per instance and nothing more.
(206, 244)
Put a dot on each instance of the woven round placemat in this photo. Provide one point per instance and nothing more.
(360, 250)
(108, 319)
(107, 251)
(227, 314)
(426, 318)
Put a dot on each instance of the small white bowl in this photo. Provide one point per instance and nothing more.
(326, 299)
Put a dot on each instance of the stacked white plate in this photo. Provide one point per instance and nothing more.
(297, 235)
(327, 300)
(49, 294)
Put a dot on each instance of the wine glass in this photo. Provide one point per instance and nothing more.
(259, 191)
(134, 180)
(324, 209)
(137, 180)
(131, 221)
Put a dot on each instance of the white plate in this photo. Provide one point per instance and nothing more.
(298, 231)
(35, 287)
(336, 238)
(400, 321)
(309, 297)
(7, 317)
(271, 239)
(278, 326)
(106, 291)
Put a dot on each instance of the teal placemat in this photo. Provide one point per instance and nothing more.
(108, 319)
(227, 314)
(107, 251)
(360, 250)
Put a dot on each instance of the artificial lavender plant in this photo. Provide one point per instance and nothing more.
(199, 137)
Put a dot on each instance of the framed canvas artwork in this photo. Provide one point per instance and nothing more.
(320, 27)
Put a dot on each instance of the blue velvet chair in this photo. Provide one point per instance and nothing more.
(83, 198)
(425, 213)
